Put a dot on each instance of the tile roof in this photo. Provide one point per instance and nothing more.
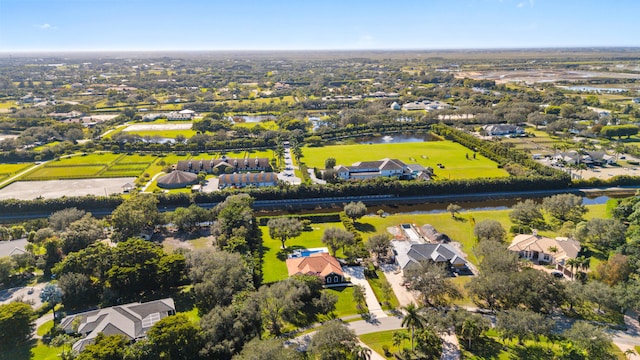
(321, 264)
(567, 248)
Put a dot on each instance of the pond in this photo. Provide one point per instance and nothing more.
(395, 138)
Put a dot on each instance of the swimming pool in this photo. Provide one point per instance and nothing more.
(307, 252)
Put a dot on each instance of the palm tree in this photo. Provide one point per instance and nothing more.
(629, 353)
(398, 338)
(583, 263)
(471, 328)
(412, 320)
(571, 263)
(361, 353)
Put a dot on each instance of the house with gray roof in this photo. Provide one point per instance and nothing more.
(131, 320)
(409, 254)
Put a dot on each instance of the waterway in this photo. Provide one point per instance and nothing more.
(441, 207)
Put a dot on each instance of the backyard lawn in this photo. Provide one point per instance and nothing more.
(274, 267)
(430, 153)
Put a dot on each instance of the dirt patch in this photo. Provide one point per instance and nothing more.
(538, 76)
(51, 189)
(173, 240)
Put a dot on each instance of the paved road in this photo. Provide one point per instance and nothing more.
(289, 175)
(356, 273)
(394, 277)
(22, 294)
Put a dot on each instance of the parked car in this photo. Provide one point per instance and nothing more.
(557, 274)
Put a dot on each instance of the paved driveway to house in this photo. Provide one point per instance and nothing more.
(356, 273)
(22, 294)
(394, 277)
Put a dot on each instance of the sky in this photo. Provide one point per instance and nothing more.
(144, 25)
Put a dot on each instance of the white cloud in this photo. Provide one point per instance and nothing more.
(532, 2)
(520, 5)
(46, 26)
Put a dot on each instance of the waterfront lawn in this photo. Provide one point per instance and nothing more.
(274, 267)
(430, 153)
(459, 229)
(378, 340)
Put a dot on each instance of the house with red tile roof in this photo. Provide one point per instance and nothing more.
(322, 265)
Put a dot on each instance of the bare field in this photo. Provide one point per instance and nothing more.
(538, 76)
(158, 127)
(29, 190)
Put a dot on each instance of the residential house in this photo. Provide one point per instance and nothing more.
(411, 253)
(220, 166)
(320, 264)
(181, 115)
(425, 105)
(541, 249)
(503, 130)
(395, 106)
(131, 320)
(570, 157)
(372, 169)
(599, 158)
(249, 179)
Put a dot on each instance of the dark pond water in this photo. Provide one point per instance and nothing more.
(255, 118)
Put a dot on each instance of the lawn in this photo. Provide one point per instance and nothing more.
(269, 125)
(274, 267)
(64, 172)
(493, 347)
(376, 286)
(378, 340)
(9, 169)
(44, 328)
(100, 158)
(35, 350)
(448, 153)
(345, 305)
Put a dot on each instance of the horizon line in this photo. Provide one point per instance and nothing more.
(628, 47)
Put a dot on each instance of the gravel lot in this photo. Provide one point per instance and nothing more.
(28, 190)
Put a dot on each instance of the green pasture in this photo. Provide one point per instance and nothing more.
(274, 267)
(93, 165)
(10, 169)
(448, 153)
(7, 104)
(169, 134)
(378, 340)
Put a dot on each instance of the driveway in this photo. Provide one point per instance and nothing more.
(22, 294)
(394, 277)
(356, 273)
(288, 175)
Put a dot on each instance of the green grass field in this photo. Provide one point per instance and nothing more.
(9, 169)
(345, 305)
(450, 154)
(168, 134)
(377, 340)
(269, 125)
(34, 350)
(376, 286)
(274, 267)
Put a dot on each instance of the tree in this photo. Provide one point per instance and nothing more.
(267, 349)
(335, 238)
(326, 303)
(454, 209)
(615, 270)
(521, 325)
(604, 234)
(565, 207)
(52, 295)
(330, 163)
(379, 245)
(355, 210)
(412, 320)
(6, 268)
(527, 213)
(592, 340)
(432, 282)
(359, 298)
(600, 294)
(489, 230)
(60, 220)
(399, 337)
(217, 276)
(280, 302)
(133, 216)
(284, 228)
(81, 233)
(333, 341)
(77, 290)
(188, 218)
(226, 329)
(20, 319)
(105, 347)
(175, 337)
(235, 221)
(470, 326)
